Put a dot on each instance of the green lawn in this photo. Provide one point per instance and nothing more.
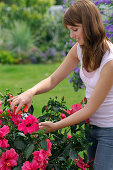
(14, 77)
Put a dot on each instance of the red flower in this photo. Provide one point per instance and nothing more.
(39, 157)
(19, 112)
(85, 100)
(69, 136)
(25, 109)
(63, 115)
(8, 159)
(80, 163)
(86, 121)
(0, 103)
(29, 125)
(0, 122)
(49, 147)
(15, 118)
(4, 143)
(1, 111)
(75, 108)
(42, 156)
(30, 166)
(4, 131)
(10, 96)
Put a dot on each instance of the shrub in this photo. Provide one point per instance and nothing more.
(7, 57)
(20, 39)
(31, 148)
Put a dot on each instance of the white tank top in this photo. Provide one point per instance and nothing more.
(103, 117)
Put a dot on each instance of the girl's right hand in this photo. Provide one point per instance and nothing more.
(22, 99)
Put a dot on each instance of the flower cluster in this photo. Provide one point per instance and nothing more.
(75, 79)
(68, 143)
(40, 159)
(74, 109)
(81, 164)
(106, 10)
(3, 132)
(22, 143)
(102, 1)
(24, 146)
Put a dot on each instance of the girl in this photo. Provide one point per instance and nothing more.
(94, 51)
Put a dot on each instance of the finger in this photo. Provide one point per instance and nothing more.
(14, 103)
(29, 105)
(12, 98)
(18, 108)
(41, 127)
(44, 123)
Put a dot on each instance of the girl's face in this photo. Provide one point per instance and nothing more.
(76, 32)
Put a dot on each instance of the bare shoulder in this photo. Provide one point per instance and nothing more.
(106, 73)
(73, 51)
(108, 67)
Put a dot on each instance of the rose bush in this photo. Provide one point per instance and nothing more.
(24, 146)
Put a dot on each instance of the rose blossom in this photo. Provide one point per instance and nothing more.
(42, 156)
(4, 131)
(30, 166)
(8, 159)
(29, 125)
(69, 136)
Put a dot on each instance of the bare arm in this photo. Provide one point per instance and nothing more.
(99, 94)
(52, 81)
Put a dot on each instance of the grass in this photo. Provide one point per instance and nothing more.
(14, 77)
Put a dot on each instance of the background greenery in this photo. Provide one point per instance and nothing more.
(16, 76)
(32, 32)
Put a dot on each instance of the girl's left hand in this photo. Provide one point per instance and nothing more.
(48, 126)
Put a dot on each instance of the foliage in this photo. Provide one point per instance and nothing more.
(7, 57)
(20, 39)
(69, 145)
(21, 141)
(75, 79)
(32, 12)
(16, 43)
(47, 31)
(106, 10)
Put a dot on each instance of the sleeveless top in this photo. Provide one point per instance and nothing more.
(103, 117)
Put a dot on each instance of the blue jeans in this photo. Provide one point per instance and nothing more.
(102, 147)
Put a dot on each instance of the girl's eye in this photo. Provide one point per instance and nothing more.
(75, 30)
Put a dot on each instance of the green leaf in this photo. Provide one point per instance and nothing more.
(0, 152)
(43, 109)
(17, 168)
(81, 123)
(19, 145)
(19, 161)
(29, 150)
(62, 159)
(65, 136)
(31, 110)
(73, 154)
(44, 144)
(66, 151)
(56, 109)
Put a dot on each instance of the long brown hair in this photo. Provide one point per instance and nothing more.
(95, 41)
